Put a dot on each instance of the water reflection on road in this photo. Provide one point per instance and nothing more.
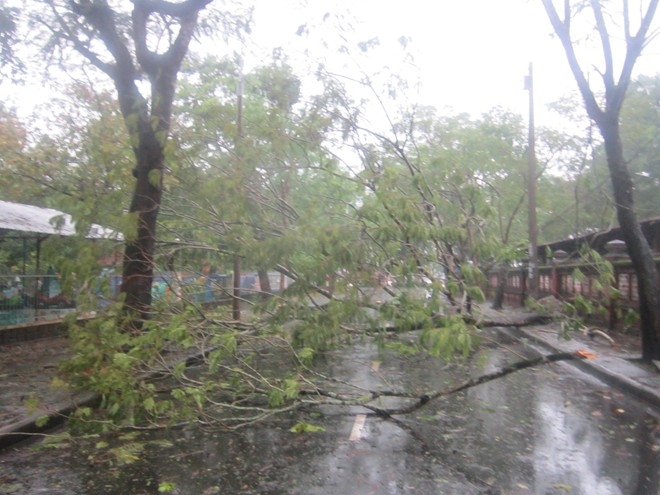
(550, 430)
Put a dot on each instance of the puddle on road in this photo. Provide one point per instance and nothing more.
(549, 430)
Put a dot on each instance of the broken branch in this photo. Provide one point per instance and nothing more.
(425, 398)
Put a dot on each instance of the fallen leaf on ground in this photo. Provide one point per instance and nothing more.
(585, 354)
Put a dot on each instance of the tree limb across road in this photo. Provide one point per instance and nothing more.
(419, 400)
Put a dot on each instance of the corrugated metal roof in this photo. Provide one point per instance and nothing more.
(46, 221)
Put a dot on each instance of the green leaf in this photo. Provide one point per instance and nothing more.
(149, 404)
(301, 427)
(12, 488)
(32, 402)
(306, 355)
(275, 398)
(57, 441)
(166, 487)
(42, 421)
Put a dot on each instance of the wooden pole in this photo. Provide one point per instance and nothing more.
(532, 272)
(236, 300)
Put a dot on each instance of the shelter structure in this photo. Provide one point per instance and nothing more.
(565, 275)
(23, 297)
(599, 241)
(27, 221)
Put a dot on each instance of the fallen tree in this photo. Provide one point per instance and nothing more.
(233, 379)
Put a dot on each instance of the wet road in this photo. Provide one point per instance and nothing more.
(550, 430)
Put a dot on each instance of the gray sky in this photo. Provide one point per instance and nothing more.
(470, 55)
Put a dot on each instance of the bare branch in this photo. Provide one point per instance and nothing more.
(634, 47)
(608, 75)
(102, 18)
(562, 29)
(181, 10)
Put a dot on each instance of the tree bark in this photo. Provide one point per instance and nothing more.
(639, 250)
(264, 284)
(138, 267)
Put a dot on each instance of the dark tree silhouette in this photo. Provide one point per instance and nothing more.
(606, 114)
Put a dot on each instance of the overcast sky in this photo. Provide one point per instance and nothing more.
(471, 55)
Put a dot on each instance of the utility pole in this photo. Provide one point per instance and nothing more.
(532, 273)
(236, 300)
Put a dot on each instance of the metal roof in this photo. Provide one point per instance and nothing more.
(29, 219)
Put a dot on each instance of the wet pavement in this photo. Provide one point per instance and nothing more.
(549, 430)
(27, 387)
(617, 363)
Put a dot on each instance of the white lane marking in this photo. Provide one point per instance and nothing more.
(358, 426)
(357, 432)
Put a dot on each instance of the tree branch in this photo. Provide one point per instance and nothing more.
(182, 10)
(608, 75)
(425, 398)
(562, 29)
(102, 18)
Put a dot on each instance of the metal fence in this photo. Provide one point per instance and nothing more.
(30, 298)
(26, 299)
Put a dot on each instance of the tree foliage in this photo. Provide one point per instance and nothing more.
(11, 66)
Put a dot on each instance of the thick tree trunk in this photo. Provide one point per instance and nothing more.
(639, 251)
(138, 265)
(147, 125)
(264, 284)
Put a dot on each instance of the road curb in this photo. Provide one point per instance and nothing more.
(22, 430)
(592, 366)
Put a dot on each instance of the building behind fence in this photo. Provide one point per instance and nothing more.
(563, 274)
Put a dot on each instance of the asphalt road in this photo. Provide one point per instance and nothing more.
(549, 430)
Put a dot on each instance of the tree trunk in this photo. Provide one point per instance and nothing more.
(138, 264)
(637, 245)
(264, 284)
(236, 294)
(498, 300)
(147, 125)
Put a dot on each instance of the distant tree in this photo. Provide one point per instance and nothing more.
(606, 113)
(250, 198)
(80, 162)
(11, 66)
(12, 144)
(640, 121)
(579, 199)
(577, 195)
